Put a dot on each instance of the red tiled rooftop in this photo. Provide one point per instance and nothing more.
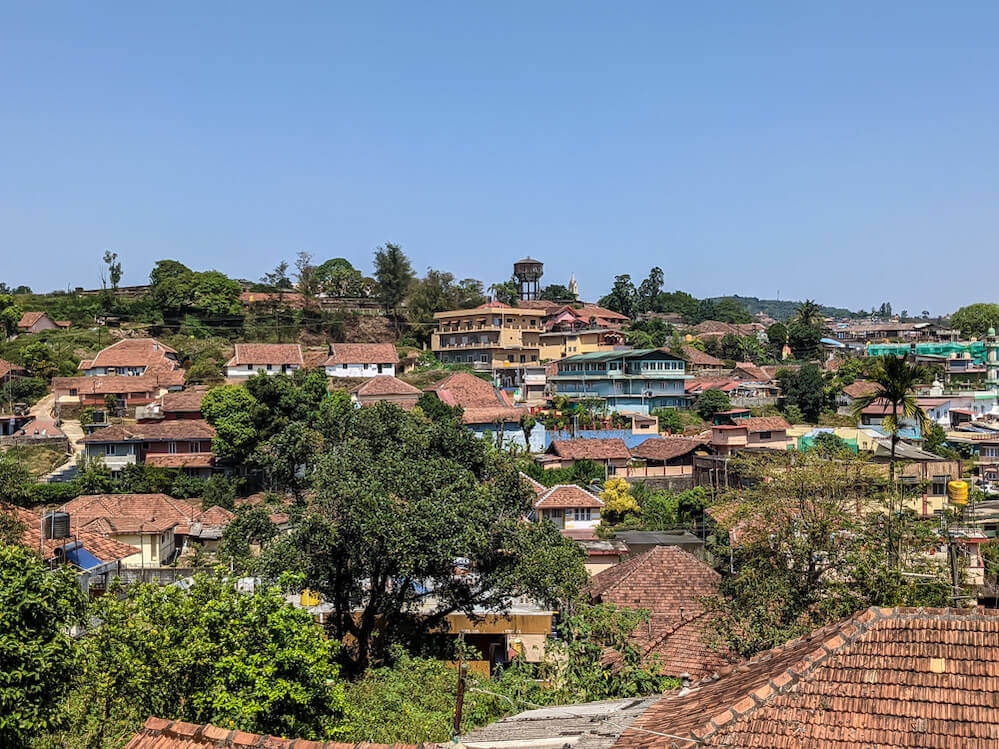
(266, 353)
(362, 353)
(105, 549)
(665, 448)
(132, 352)
(386, 385)
(602, 448)
(162, 431)
(882, 678)
(159, 733)
(567, 495)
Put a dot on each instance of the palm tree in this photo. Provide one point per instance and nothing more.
(896, 378)
(809, 314)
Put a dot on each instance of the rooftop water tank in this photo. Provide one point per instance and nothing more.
(56, 525)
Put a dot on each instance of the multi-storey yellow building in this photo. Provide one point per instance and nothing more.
(491, 338)
(558, 344)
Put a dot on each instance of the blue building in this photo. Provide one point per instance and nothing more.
(639, 380)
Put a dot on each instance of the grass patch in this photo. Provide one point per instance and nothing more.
(38, 459)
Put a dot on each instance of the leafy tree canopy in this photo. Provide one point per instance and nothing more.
(974, 320)
(710, 402)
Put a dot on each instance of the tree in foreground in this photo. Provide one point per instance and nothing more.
(394, 275)
(813, 548)
(411, 515)
(209, 654)
(37, 656)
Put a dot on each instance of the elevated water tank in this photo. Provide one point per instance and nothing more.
(56, 524)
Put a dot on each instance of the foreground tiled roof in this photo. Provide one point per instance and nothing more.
(381, 385)
(883, 678)
(665, 448)
(362, 353)
(670, 583)
(602, 448)
(158, 733)
(859, 387)
(567, 495)
(132, 352)
(482, 403)
(266, 353)
(105, 549)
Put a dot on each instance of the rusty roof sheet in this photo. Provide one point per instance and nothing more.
(882, 678)
(159, 733)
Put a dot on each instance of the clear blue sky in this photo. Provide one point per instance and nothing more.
(845, 152)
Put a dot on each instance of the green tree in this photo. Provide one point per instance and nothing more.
(251, 526)
(114, 268)
(777, 337)
(287, 458)
(556, 292)
(649, 290)
(974, 320)
(39, 361)
(622, 297)
(209, 654)
(506, 292)
(710, 402)
(37, 656)
(232, 411)
(338, 278)
(830, 445)
(394, 275)
(805, 341)
(92, 476)
(670, 420)
(437, 292)
(10, 315)
(15, 479)
(809, 314)
(804, 546)
(398, 499)
(804, 389)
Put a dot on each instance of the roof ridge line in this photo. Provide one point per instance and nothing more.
(843, 633)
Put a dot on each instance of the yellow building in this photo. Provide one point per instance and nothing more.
(491, 338)
(558, 344)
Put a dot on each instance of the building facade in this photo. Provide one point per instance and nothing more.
(639, 380)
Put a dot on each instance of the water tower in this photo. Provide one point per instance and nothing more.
(528, 272)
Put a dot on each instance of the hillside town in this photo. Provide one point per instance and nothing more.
(406, 509)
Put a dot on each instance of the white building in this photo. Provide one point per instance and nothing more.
(271, 358)
(569, 506)
(361, 360)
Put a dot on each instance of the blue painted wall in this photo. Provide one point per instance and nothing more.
(631, 440)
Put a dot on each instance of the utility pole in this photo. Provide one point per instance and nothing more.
(460, 699)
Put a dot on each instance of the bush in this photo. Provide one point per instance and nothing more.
(711, 402)
(23, 390)
(670, 420)
(50, 494)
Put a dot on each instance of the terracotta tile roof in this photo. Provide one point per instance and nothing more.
(859, 388)
(214, 515)
(468, 391)
(151, 381)
(751, 372)
(181, 460)
(669, 583)
(121, 509)
(536, 486)
(882, 678)
(169, 431)
(762, 423)
(132, 352)
(699, 384)
(602, 448)
(63, 323)
(567, 495)
(185, 401)
(105, 549)
(362, 353)
(266, 353)
(30, 318)
(113, 526)
(386, 385)
(698, 358)
(505, 414)
(158, 733)
(8, 368)
(665, 448)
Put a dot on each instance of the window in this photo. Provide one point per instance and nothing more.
(109, 449)
(766, 435)
(523, 358)
(990, 452)
(195, 447)
(380, 369)
(940, 485)
(582, 513)
(270, 367)
(172, 447)
(73, 392)
(344, 366)
(509, 357)
(249, 367)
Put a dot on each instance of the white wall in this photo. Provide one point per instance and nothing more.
(359, 370)
(242, 371)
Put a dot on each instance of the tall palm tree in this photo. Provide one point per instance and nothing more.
(896, 378)
(809, 314)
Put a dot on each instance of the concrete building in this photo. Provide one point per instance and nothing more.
(361, 360)
(270, 358)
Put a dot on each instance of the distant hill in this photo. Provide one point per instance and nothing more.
(779, 309)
